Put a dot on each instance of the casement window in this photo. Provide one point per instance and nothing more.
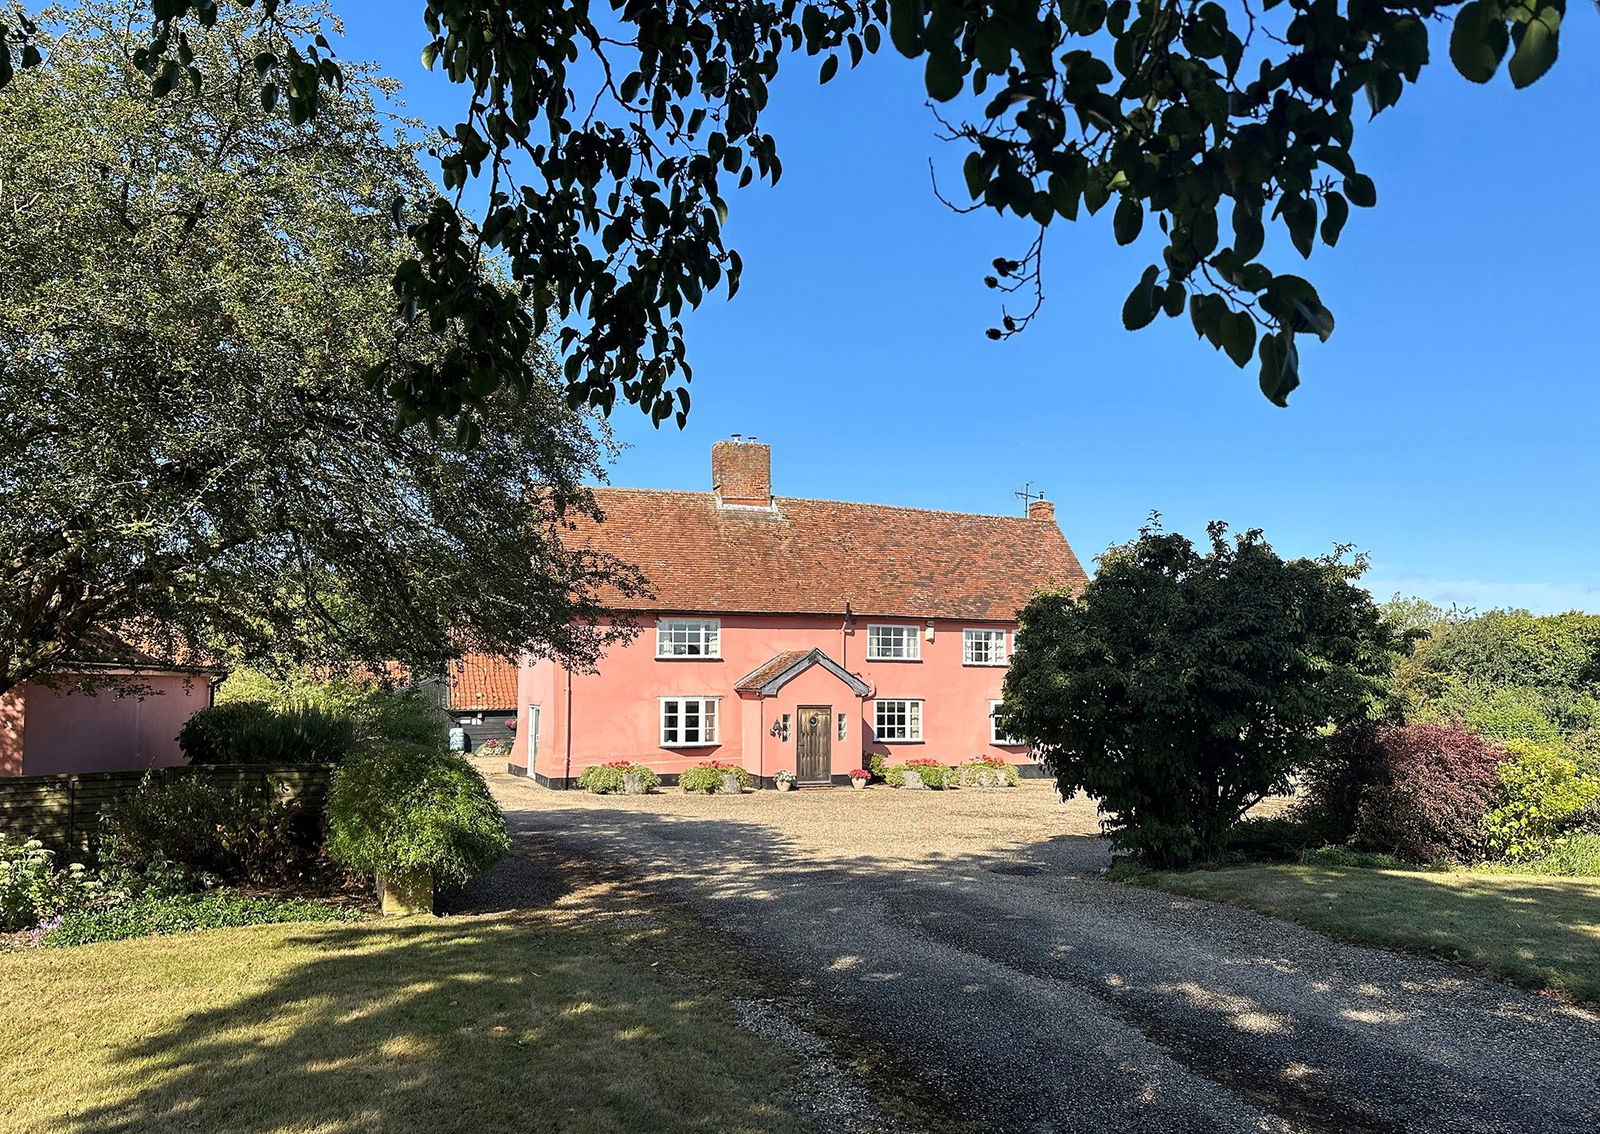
(894, 643)
(897, 720)
(688, 722)
(997, 734)
(983, 647)
(688, 638)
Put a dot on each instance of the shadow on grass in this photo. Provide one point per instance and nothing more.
(547, 1020)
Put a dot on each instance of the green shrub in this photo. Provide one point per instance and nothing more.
(34, 889)
(235, 832)
(932, 774)
(1279, 838)
(986, 771)
(247, 732)
(146, 915)
(1544, 795)
(1339, 856)
(707, 777)
(878, 765)
(404, 808)
(606, 779)
(1575, 855)
(378, 712)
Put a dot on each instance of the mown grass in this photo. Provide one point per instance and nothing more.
(564, 1019)
(1538, 931)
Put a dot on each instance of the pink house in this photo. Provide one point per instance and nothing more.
(72, 728)
(791, 634)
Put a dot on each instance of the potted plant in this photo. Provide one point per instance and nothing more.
(783, 780)
(716, 777)
(417, 818)
(859, 778)
(619, 776)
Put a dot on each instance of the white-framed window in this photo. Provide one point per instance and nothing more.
(688, 722)
(894, 643)
(689, 638)
(983, 647)
(897, 720)
(996, 733)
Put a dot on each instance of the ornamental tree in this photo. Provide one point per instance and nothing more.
(191, 291)
(605, 137)
(1181, 687)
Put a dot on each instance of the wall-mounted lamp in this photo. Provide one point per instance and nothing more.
(927, 634)
(843, 724)
(780, 728)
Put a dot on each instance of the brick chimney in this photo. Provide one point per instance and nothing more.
(1042, 510)
(741, 473)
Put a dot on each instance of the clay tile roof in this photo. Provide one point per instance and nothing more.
(479, 681)
(756, 678)
(814, 556)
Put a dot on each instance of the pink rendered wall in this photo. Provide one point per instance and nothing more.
(75, 732)
(538, 683)
(615, 711)
(11, 736)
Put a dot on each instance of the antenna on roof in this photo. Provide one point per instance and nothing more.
(1027, 496)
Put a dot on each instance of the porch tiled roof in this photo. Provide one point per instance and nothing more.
(756, 678)
(816, 556)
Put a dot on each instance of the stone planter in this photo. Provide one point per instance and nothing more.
(858, 784)
(731, 785)
(633, 784)
(405, 893)
(913, 782)
(783, 785)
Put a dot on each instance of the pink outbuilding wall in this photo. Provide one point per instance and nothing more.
(613, 714)
(46, 731)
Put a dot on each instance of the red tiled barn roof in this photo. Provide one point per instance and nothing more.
(481, 681)
(814, 556)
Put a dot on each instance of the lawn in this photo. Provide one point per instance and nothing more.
(1535, 930)
(575, 1017)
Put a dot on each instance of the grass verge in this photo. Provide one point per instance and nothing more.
(573, 1017)
(1539, 931)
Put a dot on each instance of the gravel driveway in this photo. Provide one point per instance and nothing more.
(970, 932)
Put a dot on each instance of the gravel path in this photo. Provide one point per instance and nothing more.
(971, 932)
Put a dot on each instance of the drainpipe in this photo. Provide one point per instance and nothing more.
(566, 775)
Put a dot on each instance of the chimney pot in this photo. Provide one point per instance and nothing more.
(1042, 510)
(741, 473)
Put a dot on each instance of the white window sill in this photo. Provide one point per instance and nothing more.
(882, 740)
(870, 658)
(985, 664)
(688, 657)
(694, 744)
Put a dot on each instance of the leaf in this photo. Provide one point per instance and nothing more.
(1128, 220)
(1280, 367)
(1359, 189)
(943, 73)
(166, 79)
(905, 27)
(1338, 210)
(1139, 309)
(269, 97)
(830, 68)
(1537, 44)
(1238, 332)
(1477, 43)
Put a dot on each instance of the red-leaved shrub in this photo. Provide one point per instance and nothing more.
(1419, 791)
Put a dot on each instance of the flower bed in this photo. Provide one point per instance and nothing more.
(710, 777)
(930, 773)
(619, 776)
(987, 772)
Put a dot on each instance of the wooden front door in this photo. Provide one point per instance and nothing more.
(813, 748)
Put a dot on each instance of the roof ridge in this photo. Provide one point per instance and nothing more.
(821, 500)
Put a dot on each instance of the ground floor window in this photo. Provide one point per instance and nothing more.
(688, 721)
(997, 733)
(897, 720)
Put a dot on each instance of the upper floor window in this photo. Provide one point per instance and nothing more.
(897, 720)
(688, 721)
(983, 647)
(688, 638)
(997, 732)
(894, 643)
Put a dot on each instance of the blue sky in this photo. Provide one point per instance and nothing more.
(1448, 428)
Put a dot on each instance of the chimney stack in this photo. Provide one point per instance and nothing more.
(1042, 509)
(741, 473)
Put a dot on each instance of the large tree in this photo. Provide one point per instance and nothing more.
(1182, 686)
(191, 291)
(606, 135)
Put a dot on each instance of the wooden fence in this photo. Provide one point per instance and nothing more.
(64, 811)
